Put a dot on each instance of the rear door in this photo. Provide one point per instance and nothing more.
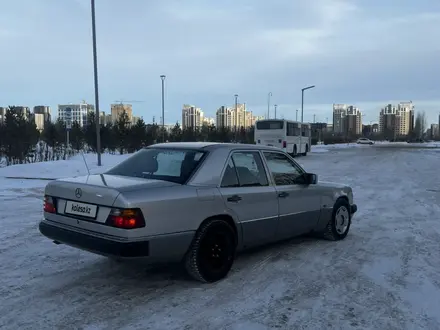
(247, 194)
(299, 205)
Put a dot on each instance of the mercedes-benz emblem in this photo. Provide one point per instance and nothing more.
(78, 192)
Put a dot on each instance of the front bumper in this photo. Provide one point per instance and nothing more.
(154, 249)
(353, 208)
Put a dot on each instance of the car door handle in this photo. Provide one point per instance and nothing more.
(234, 199)
(283, 194)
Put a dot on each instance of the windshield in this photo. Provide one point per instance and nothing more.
(270, 124)
(174, 165)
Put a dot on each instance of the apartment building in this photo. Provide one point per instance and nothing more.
(223, 117)
(116, 110)
(192, 117)
(24, 111)
(435, 132)
(397, 119)
(232, 117)
(347, 119)
(43, 110)
(75, 112)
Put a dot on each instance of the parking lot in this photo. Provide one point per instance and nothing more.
(384, 275)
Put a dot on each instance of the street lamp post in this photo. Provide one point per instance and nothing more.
(236, 117)
(95, 74)
(302, 100)
(275, 107)
(268, 104)
(162, 77)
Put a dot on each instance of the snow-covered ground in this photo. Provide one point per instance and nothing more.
(384, 275)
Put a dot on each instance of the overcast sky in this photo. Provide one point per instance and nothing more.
(366, 52)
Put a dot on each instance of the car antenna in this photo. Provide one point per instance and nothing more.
(84, 158)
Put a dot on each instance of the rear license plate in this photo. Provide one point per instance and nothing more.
(82, 209)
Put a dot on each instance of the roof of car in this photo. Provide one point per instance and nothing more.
(211, 146)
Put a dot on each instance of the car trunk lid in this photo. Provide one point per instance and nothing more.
(86, 201)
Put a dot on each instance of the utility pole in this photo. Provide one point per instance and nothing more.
(268, 104)
(95, 74)
(275, 107)
(162, 77)
(314, 116)
(296, 118)
(302, 100)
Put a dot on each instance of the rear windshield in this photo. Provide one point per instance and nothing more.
(175, 165)
(270, 124)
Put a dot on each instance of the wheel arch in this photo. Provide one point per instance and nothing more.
(230, 221)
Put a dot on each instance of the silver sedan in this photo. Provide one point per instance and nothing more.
(195, 203)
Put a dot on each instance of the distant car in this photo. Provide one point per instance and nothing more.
(199, 203)
(364, 141)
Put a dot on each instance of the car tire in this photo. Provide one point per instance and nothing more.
(212, 252)
(340, 222)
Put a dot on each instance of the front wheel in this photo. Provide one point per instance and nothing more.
(340, 222)
(212, 252)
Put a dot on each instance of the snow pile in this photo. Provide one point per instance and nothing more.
(75, 166)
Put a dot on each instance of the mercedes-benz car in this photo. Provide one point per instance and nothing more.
(195, 203)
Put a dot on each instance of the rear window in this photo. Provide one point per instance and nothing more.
(174, 165)
(270, 124)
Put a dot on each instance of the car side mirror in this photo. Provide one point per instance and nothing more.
(310, 178)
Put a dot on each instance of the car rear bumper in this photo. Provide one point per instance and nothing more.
(353, 208)
(165, 248)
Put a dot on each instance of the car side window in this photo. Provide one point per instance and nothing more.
(284, 171)
(245, 169)
(250, 169)
(230, 178)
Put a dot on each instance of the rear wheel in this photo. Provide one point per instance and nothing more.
(339, 225)
(212, 252)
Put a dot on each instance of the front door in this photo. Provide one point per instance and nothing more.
(299, 205)
(247, 194)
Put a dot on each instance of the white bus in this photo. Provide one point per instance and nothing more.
(291, 136)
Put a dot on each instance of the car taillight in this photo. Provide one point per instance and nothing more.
(126, 218)
(284, 144)
(49, 205)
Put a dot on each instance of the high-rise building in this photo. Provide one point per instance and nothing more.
(397, 119)
(339, 114)
(41, 116)
(347, 119)
(24, 111)
(354, 120)
(231, 117)
(78, 112)
(224, 117)
(435, 133)
(119, 108)
(44, 110)
(192, 117)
